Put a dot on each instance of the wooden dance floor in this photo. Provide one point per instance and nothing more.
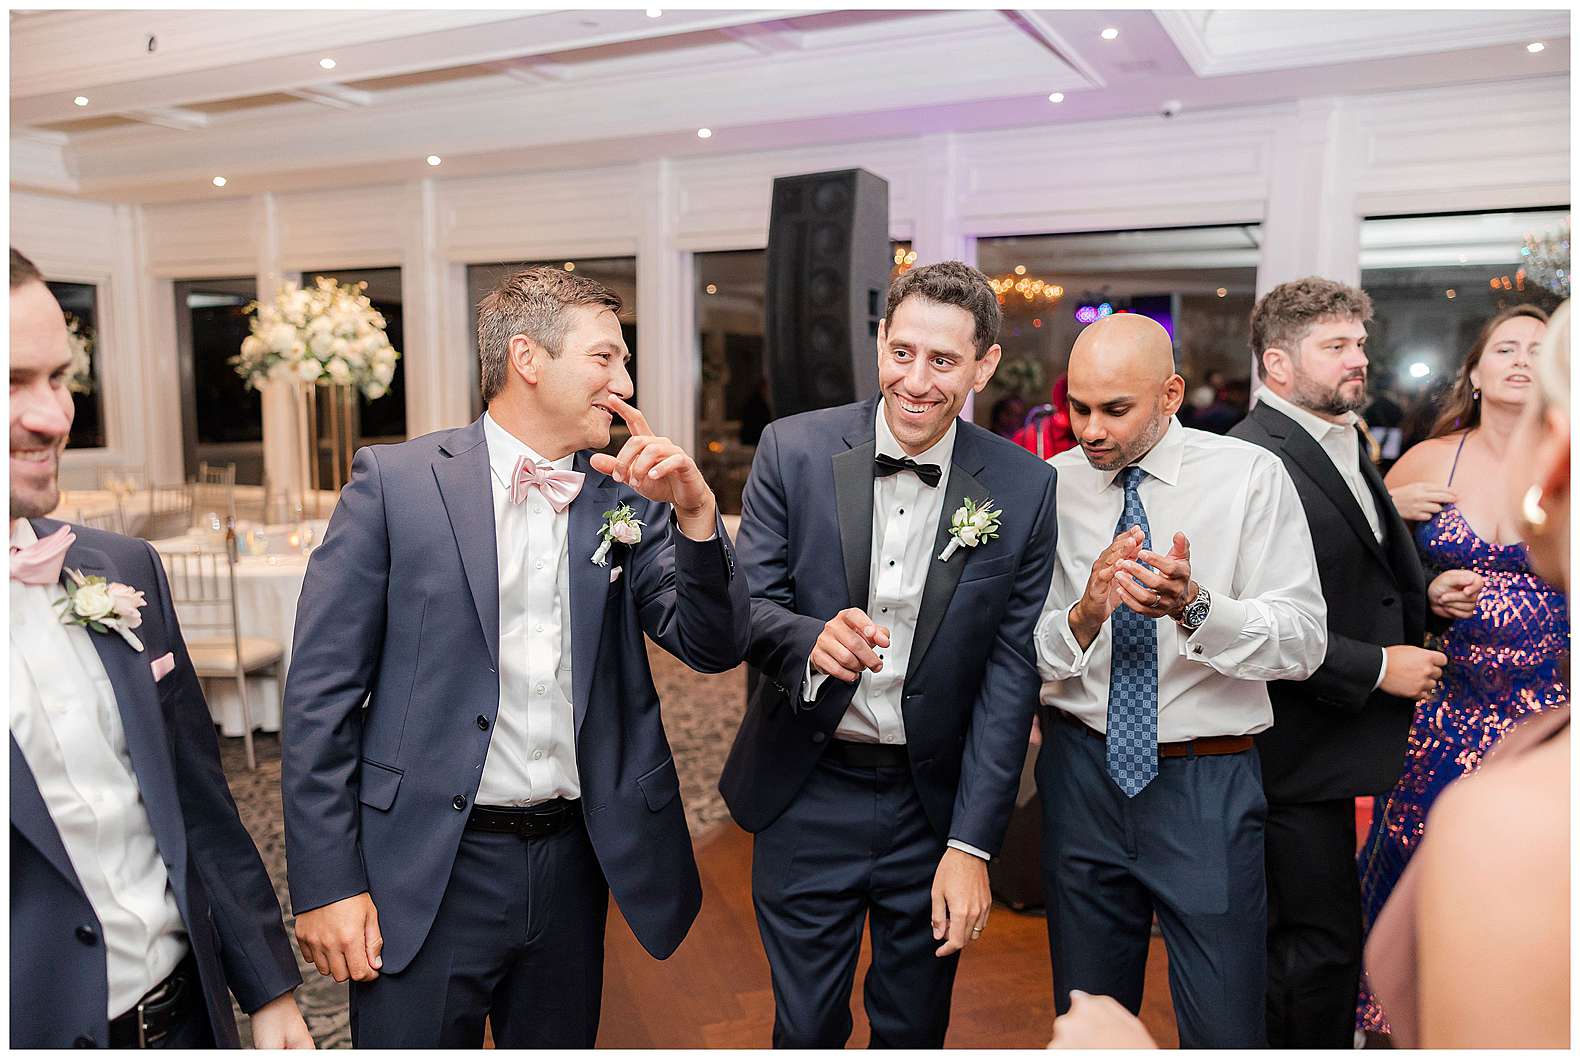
(715, 992)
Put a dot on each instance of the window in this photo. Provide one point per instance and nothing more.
(1434, 282)
(1199, 283)
(80, 303)
(616, 273)
(221, 420)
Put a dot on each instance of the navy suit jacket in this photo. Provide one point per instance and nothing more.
(401, 610)
(971, 685)
(59, 981)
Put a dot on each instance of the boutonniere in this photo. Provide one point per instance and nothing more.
(103, 606)
(620, 525)
(970, 525)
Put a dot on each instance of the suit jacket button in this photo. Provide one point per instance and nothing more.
(84, 1042)
(87, 935)
(1389, 601)
(818, 737)
(482, 722)
(459, 801)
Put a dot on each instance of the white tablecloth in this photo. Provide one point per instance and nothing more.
(267, 590)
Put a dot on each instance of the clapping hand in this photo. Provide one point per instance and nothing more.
(1163, 590)
(1102, 596)
(1454, 594)
(661, 471)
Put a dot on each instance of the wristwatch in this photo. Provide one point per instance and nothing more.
(1195, 612)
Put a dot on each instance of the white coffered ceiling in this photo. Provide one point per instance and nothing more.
(178, 97)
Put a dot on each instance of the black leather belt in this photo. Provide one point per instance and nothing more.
(867, 755)
(528, 821)
(162, 1009)
(1201, 746)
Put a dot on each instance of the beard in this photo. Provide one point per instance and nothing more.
(1329, 400)
(1123, 454)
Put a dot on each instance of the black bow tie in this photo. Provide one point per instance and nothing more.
(884, 465)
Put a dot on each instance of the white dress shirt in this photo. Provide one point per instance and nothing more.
(532, 752)
(1343, 446)
(905, 514)
(1250, 547)
(65, 719)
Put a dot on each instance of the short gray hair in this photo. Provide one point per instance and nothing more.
(531, 302)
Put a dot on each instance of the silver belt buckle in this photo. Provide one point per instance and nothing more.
(142, 1027)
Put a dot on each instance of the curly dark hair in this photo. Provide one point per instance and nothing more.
(1284, 316)
(951, 283)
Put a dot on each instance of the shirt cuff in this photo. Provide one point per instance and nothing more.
(810, 682)
(955, 843)
(1382, 674)
(1225, 622)
(1059, 654)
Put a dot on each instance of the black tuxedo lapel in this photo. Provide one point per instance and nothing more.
(1312, 459)
(942, 577)
(463, 476)
(853, 502)
(147, 739)
(1396, 535)
(589, 582)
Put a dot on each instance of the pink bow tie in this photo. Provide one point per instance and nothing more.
(39, 563)
(559, 488)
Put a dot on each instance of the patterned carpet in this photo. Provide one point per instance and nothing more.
(701, 714)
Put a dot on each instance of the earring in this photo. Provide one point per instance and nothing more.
(1475, 395)
(1532, 512)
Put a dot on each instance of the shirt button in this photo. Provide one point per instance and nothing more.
(87, 935)
(539, 564)
(459, 801)
(1198, 650)
(537, 509)
(537, 755)
(902, 511)
(818, 737)
(541, 688)
(891, 562)
(482, 722)
(890, 738)
(537, 628)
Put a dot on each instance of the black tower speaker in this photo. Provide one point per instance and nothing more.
(828, 275)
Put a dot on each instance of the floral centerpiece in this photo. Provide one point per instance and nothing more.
(328, 334)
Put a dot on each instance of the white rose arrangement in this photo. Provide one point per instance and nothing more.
(329, 334)
(970, 525)
(620, 525)
(103, 606)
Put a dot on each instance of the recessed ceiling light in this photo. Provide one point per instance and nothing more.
(1110, 33)
(704, 134)
(1020, 270)
(570, 266)
(1056, 97)
(1451, 293)
(1420, 369)
(434, 159)
(655, 12)
(1535, 46)
(219, 181)
(326, 63)
(1223, 292)
(81, 101)
(712, 288)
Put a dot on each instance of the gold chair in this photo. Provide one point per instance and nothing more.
(203, 589)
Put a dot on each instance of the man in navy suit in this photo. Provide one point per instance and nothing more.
(881, 754)
(486, 591)
(138, 901)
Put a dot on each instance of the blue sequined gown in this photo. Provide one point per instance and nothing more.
(1506, 662)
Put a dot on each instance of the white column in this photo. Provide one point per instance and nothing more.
(1312, 227)
(141, 304)
(668, 359)
(936, 233)
(282, 424)
(436, 362)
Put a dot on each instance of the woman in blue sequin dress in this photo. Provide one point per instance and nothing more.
(1508, 658)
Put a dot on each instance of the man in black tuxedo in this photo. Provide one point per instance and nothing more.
(1341, 733)
(880, 755)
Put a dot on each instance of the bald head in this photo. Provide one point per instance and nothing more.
(1123, 388)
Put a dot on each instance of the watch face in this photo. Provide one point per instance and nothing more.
(1196, 613)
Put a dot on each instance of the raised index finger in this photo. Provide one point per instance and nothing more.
(633, 418)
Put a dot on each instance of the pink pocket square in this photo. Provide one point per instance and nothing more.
(614, 575)
(162, 666)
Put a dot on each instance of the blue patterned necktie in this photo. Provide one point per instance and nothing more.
(1133, 674)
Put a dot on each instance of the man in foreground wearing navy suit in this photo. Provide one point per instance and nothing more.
(453, 845)
(892, 618)
(138, 901)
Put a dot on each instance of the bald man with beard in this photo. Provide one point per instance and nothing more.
(1184, 580)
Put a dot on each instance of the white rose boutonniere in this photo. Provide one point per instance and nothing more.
(103, 606)
(970, 525)
(619, 526)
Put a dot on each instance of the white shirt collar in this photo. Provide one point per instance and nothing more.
(23, 534)
(504, 448)
(1163, 460)
(1313, 424)
(939, 452)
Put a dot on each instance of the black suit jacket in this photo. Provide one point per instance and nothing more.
(971, 685)
(1332, 735)
(59, 983)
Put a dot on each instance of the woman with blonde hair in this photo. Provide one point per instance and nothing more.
(1507, 647)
